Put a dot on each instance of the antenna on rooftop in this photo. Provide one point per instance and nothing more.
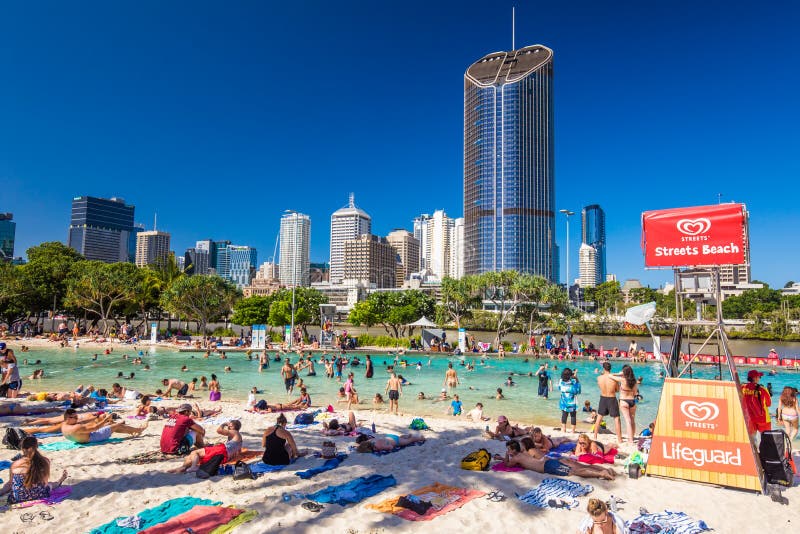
(513, 27)
(155, 221)
(352, 203)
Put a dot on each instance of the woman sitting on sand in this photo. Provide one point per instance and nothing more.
(387, 442)
(279, 445)
(30, 475)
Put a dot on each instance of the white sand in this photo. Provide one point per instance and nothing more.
(104, 489)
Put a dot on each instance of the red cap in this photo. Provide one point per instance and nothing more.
(752, 373)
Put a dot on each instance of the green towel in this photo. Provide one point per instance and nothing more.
(156, 515)
(68, 445)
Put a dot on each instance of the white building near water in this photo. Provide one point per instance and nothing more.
(295, 241)
(347, 223)
(587, 266)
(441, 244)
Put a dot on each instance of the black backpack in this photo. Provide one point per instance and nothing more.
(13, 438)
(211, 467)
(775, 452)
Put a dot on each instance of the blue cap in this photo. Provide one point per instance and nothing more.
(2, 345)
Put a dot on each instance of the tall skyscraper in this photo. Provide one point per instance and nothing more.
(206, 246)
(346, 224)
(406, 248)
(152, 248)
(295, 242)
(436, 234)
(587, 266)
(243, 261)
(222, 259)
(370, 259)
(457, 249)
(509, 186)
(102, 229)
(195, 261)
(593, 232)
(8, 230)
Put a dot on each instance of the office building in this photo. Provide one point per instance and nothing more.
(152, 248)
(732, 275)
(406, 248)
(102, 229)
(180, 262)
(295, 241)
(456, 267)
(587, 266)
(222, 259)
(242, 262)
(209, 264)
(436, 233)
(8, 230)
(370, 259)
(509, 186)
(195, 261)
(593, 232)
(319, 273)
(268, 271)
(346, 223)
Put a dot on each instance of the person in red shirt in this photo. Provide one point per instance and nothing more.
(181, 433)
(756, 402)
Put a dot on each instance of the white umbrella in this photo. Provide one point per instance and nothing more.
(423, 322)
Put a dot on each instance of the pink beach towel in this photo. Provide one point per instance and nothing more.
(56, 496)
(607, 458)
(502, 467)
(464, 497)
(199, 520)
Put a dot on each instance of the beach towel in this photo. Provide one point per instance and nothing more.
(56, 496)
(383, 453)
(158, 514)
(261, 467)
(199, 520)
(299, 426)
(354, 491)
(556, 488)
(503, 468)
(5, 464)
(69, 445)
(214, 420)
(670, 523)
(332, 463)
(245, 456)
(244, 517)
(593, 459)
(443, 499)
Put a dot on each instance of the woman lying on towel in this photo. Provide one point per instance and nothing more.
(229, 450)
(335, 428)
(30, 475)
(387, 442)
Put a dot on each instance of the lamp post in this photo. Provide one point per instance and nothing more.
(294, 273)
(568, 214)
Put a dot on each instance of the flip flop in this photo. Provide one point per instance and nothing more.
(312, 506)
(47, 516)
(27, 517)
(496, 496)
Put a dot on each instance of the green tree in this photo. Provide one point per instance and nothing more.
(16, 293)
(48, 269)
(307, 301)
(363, 314)
(102, 289)
(252, 310)
(763, 300)
(459, 297)
(502, 290)
(395, 309)
(201, 298)
(642, 295)
(606, 296)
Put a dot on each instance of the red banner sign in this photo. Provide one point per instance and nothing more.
(689, 237)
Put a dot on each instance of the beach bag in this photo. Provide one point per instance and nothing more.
(241, 471)
(13, 438)
(476, 461)
(775, 452)
(304, 419)
(211, 467)
(328, 450)
(418, 424)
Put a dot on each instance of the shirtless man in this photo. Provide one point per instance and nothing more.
(263, 361)
(96, 430)
(394, 388)
(537, 461)
(289, 375)
(181, 388)
(609, 405)
(52, 425)
(450, 377)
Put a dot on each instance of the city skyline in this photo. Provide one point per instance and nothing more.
(193, 132)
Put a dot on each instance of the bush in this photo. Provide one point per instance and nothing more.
(224, 332)
(367, 340)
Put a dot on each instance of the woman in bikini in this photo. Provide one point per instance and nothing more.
(30, 475)
(334, 428)
(504, 428)
(628, 393)
(387, 442)
(788, 411)
(601, 520)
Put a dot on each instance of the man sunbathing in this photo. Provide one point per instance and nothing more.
(230, 450)
(387, 442)
(560, 467)
(52, 425)
(94, 431)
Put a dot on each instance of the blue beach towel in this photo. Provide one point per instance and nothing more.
(261, 467)
(353, 491)
(556, 488)
(383, 453)
(332, 463)
(5, 464)
(43, 435)
(156, 515)
(69, 445)
(300, 426)
(670, 523)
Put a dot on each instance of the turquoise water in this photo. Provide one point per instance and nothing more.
(65, 368)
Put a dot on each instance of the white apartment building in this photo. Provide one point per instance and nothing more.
(295, 244)
(347, 223)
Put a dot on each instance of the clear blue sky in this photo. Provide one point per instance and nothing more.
(220, 115)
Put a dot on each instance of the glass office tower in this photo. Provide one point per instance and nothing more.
(8, 230)
(593, 232)
(509, 191)
(101, 229)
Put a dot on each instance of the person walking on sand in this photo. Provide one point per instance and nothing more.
(608, 405)
(450, 378)
(394, 388)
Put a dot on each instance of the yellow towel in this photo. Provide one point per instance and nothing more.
(244, 517)
(389, 506)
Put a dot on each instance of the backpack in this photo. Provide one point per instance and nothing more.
(775, 452)
(13, 438)
(418, 424)
(242, 471)
(304, 419)
(211, 467)
(476, 461)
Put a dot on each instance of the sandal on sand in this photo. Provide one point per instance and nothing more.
(312, 506)
(47, 516)
(27, 517)
(496, 496)
(557, 503)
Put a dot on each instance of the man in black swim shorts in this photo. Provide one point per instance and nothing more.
(608, 405)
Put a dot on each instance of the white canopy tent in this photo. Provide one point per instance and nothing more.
(429, 332)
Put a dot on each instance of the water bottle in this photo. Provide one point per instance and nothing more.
(487, 428)
(613, 502)
(373, 427)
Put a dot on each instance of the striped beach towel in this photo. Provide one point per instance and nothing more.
(669, 522)
(556, 489)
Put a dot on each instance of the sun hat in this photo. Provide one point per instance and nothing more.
(186, 407)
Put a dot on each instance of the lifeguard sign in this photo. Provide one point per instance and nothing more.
(700, 432)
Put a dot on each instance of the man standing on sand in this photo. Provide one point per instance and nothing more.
(756, 401)
(609, 405)
(450, 377)
(545, 382)
(394, 388)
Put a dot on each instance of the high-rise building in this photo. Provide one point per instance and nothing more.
(195, 261)
(268, 271)
(319, 273)
(421, 235)
(102, 229)
(346, 223)
(242, 264)
(509, 186)
(436, 233)
(370, 259)
(406, 248)
(222, 258)
(738, 274)
(8, 230)
(206, 246)
(180, 262)
(593, 232)
(587, 266)
(152, 248)
(457, 249)
(295, 241)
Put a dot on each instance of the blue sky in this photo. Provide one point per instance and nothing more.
(220, 115)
